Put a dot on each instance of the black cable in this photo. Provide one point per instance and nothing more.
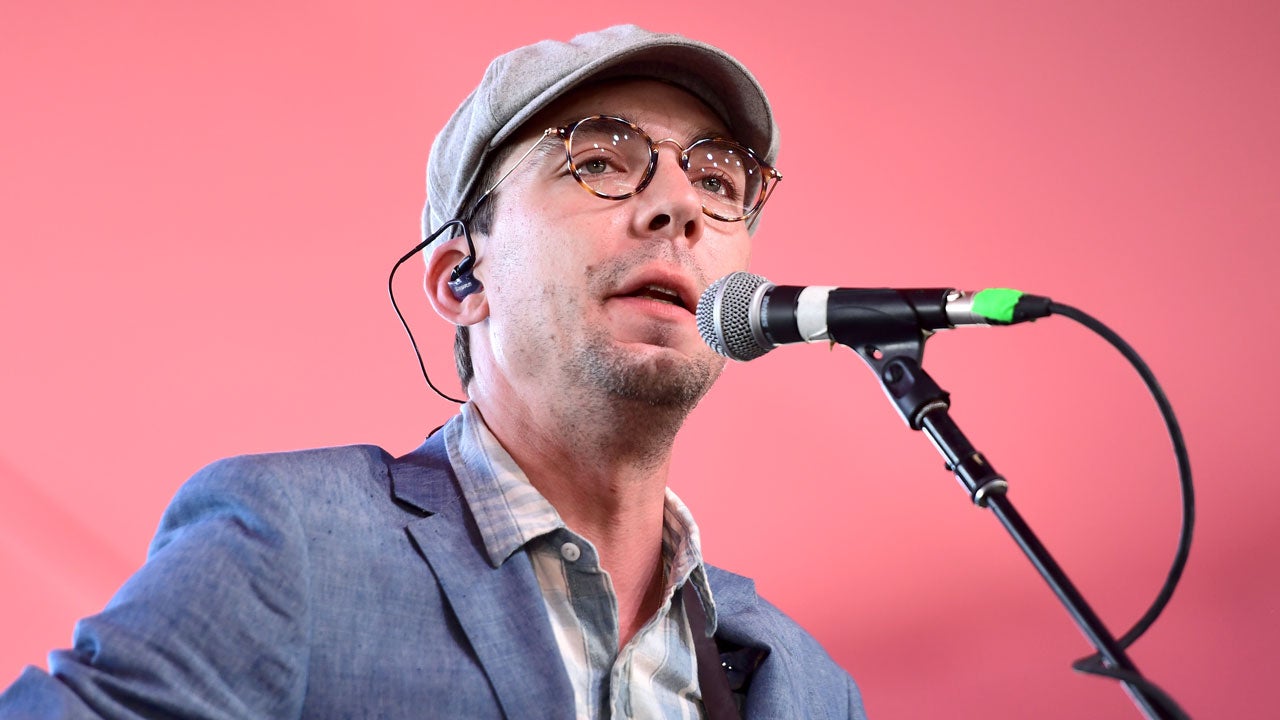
(391, 291)
(1094, 663)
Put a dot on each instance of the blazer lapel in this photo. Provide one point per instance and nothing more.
(500, 609)
(743, 635)
(790, 676)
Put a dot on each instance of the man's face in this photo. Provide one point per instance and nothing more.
(592, 294)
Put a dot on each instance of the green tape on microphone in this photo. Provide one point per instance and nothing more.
(1004, 306)
(996, 304)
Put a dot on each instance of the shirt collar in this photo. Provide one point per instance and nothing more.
(510, 512)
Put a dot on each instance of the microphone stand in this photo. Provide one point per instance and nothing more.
(924, 405)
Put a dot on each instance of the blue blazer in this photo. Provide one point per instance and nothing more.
(344, 583)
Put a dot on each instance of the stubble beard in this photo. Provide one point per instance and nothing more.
(632, 400)
(637, 404)
(669, 381)
(658, 382)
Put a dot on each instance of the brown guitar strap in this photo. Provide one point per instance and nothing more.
(717, 698)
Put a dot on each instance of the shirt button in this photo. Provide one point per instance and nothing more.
(570, 552)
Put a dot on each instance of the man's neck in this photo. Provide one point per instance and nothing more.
(607, 480)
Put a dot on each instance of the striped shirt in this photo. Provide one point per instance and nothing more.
(656, 674)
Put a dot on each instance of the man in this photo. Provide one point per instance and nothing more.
(528, 560)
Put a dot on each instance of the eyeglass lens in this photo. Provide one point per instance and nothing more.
(614, 159)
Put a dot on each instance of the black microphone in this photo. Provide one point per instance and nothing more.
(743, 316)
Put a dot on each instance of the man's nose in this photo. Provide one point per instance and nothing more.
(673, 204)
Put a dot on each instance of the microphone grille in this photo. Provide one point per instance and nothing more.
(724, 316)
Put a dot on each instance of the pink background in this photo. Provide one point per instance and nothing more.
(201, 202)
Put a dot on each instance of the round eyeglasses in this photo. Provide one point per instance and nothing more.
(614, 159)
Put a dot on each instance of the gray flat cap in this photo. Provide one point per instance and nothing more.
(524, 81)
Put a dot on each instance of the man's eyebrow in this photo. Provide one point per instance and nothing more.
(702, 132)
(708, 132)
(549, 147)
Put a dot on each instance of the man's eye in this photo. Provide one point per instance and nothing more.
(593, 167)
(712, 185)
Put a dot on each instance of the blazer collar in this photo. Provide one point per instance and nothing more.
(424, 479)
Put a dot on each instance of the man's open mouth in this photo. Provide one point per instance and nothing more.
(660, 294)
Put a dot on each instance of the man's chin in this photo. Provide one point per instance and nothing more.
(655, 375)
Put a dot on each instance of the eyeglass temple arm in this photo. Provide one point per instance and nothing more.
(549, 132)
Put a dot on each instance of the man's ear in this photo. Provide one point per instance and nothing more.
(458, 308)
